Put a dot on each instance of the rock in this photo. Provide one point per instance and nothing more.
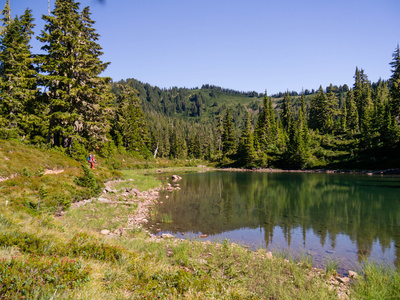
(343, 279)
(176, 177)
(353, 275)
(269, 255)
(105, 232)
(105, 200)
(109, 190)
(167, 236)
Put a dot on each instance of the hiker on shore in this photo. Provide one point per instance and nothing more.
(92, 162)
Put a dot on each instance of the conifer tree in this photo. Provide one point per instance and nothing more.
(395, 81)
(228, 135)
(351, 112)
(18, 89)
(6, 19)
(286, 114)
(263, 129)
(362, 96)
(332, 104)
(130, 121)
(379, 102)
(319, 112)
(246, 150)
(390, 132)
(76, 95)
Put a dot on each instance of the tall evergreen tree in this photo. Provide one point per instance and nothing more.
(228, 135)
(246, 150)
(395, 81)
(362, 96)
(320, 112)
(76, 95)
(263, 132)
(130, 122)
(286, 115)
(351, 112)
(18, 89)
(6, 19)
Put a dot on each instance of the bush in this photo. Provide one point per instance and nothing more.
(37, 278)
(8, 134)
(88, 180)
(82, 245)
(78, 152)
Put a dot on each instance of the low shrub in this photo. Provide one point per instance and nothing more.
(82, 245)
(25, 242)
(33, 277)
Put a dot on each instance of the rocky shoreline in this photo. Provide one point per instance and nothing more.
(147, 199)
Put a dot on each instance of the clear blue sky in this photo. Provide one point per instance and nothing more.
(242, 45)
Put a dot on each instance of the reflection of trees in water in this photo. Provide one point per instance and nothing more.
(364, 208)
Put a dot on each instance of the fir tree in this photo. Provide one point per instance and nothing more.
(263, 132)
(18, 89)
(76, 95)
(286, 114)
(362, 96)
(246, 150)
(351, 112)
(130, 122)
(395, 81)
(320, 112)
(228, 135)
(390, 132)
(6, 19)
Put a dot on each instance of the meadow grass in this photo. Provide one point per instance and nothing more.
(48, 257)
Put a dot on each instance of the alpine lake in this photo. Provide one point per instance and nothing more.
(345, 218)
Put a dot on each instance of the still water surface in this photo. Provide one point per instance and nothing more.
(343, 217)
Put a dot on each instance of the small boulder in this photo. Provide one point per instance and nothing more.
(167, 236)
(343, 279)
(176, 177)
(353, 275)
(105, 232)
(269, 255)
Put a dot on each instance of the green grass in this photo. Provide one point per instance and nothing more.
(44, 257)
(98, 216)
(377, 282)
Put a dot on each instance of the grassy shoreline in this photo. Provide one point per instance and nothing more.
(47, 257)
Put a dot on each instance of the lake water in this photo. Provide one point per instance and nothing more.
(341, 217)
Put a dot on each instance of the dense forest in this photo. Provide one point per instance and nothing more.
(58, 99)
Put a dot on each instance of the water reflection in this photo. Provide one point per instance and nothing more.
(347, 216)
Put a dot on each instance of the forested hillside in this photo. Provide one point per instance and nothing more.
(58, 99)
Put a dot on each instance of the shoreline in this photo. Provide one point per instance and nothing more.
(393, 171)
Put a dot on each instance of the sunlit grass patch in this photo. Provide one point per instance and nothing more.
(138, 180)
(98, 216)
(377, 282)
